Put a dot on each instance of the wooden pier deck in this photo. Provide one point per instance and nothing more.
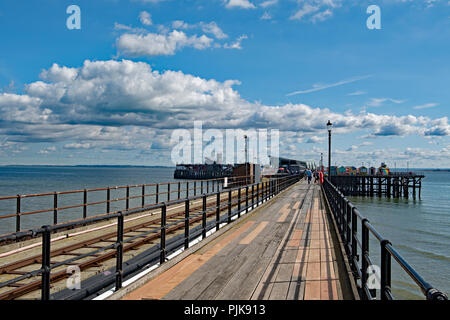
(285, 250)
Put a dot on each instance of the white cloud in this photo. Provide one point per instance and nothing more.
(236, 44)
(318, 87)
(305, 10)
(266, 16)
(243, 4)
(153, 44)
(145, 18)
(268, 3)
(376, 102)
(357, 93)
(126, 105)
(426, 106)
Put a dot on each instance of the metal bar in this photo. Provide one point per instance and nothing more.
(186, 224)
(246, 199)
(119, 252)
(239, 202)
(127, 198)
(218, 211)
(157, 193)
(364, 252)
(108, 199)
(18, 208)
(229, 206)
(46, 240)
(179, 190)
(84, 204)
(204, 217)
(385, 271)
(162, 257)
(354, 239)
(143, 196)
(168, 192)
(55, 208)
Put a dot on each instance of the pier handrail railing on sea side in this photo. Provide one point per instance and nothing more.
(248, 197)
(347, 217)
(159, 192)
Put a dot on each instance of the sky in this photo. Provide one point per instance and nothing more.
(115, 90)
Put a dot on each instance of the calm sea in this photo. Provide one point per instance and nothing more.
(419, 229)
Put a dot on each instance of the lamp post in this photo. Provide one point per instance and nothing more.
(329, 127)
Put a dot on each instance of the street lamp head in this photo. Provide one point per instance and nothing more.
(329, 126)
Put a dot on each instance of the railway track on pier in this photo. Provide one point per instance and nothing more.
(84, 248)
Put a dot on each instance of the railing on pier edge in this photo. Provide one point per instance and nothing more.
(158, 192)
(253, 194)
(347, 217)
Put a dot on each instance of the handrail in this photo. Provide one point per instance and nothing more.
(260, 192)
(347, 217)
(159, 192)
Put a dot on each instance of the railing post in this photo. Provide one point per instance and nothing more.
(257, 195)
(347, 225)
(127, 206)
(195, 188)
(84, 204)
(168, 192)
(187, 189)
(364, 252)
(162, 256)
(18, 208)
(354, 239)
(157, 193)
(119, 252)
(179, 190)
(55, 208)
(246, 199)
(186, 224)
(207, 186)
(385, 280)
(108, 199)
(201, 187)
(45, 285)
(143, 195)
(239, 202)
(218, 211)
(229, 206)
(204, 217)
(253, 196)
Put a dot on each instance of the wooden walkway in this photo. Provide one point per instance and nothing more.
(282, 251)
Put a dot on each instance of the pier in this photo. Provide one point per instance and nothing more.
(278, 239)
(391, 186)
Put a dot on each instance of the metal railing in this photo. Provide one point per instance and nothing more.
(125, 198)
(349, 221)
(248, 197)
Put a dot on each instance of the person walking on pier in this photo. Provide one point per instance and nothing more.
(309, 175)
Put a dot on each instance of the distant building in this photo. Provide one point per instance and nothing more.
(363, 171)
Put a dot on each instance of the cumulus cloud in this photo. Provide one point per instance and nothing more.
(153, 44)
(243, 4)
(126, 105)
(145, 18)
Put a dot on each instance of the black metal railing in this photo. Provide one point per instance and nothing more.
(260, 193)
(73, 205)
(352, 225)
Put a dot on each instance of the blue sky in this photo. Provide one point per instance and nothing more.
(114, 91)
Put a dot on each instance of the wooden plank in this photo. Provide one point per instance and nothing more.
(312, 290)
(252, 235)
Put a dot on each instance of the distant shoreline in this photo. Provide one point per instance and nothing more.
(81, 166)
(172, 167)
